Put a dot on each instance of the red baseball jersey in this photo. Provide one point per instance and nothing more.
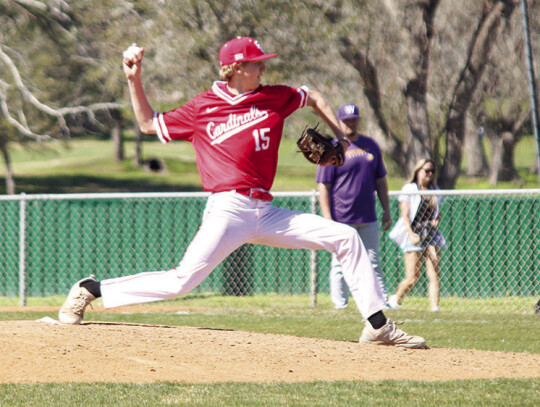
(236, 137)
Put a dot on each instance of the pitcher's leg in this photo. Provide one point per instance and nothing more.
(225, 228)
(370, 235)
(291, 229)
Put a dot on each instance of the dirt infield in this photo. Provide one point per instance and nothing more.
(39, 352)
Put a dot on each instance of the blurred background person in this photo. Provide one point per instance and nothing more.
(417, 234)
(347, 195)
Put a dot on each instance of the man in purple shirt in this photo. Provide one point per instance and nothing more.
(347, 195)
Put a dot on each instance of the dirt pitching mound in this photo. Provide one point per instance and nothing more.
(36, 351)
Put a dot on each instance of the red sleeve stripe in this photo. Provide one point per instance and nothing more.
(161, 129)
(304, 92)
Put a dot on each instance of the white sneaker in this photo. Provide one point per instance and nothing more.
(390, 335)
(436, 309)
(72, 312)
(392, 302)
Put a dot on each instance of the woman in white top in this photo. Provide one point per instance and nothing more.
(417, 234)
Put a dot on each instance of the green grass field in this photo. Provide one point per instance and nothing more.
(294, 316)
(87, 165)
(488, 393)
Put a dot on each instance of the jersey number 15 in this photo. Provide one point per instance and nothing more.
(262, 141)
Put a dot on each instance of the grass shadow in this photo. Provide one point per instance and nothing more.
(61, 184)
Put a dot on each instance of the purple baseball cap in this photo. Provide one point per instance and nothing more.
(348, 111)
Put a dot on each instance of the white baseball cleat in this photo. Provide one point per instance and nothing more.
(392, 336)
(72, 312)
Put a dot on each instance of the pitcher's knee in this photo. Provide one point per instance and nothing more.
(348, 239)
(349, 233)
(181, 281)
(170, 284)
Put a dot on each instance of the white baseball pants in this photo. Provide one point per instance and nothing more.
(230, 220)
(339, 291)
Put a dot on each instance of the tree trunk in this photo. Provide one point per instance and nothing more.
(10, 180)
(481, 44)
(477, 165)
(419, 143)
(508, 169)
(138, 146)
(117, 136)
(534, 168)
(419, 136)
(496, 162)
(390, 144)
(502, 158)
(504, 133)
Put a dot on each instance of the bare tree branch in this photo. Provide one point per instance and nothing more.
(391, 144)
(90, 109)
(29, 95)
(59, 114)
(484, 37)
(421, 30)
(19, 126)
(53, 8)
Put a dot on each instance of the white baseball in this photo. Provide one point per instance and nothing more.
(132, 55)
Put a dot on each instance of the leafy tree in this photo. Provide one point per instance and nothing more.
(503, 110)
(45, 86)
(428, 73)
(412, 29)
(483, 39)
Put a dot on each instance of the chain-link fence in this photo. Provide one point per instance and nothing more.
(491, 263)
(492, 259)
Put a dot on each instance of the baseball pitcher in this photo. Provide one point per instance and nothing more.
(235, 128)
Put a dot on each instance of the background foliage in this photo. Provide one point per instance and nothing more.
(71, 83)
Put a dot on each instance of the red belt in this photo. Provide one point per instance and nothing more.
(256, 193)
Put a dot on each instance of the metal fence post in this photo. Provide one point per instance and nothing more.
(313, 259)
(22, 249)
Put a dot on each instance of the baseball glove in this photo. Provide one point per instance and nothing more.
(320, 149)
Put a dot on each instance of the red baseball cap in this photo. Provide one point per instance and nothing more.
(242, 49)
